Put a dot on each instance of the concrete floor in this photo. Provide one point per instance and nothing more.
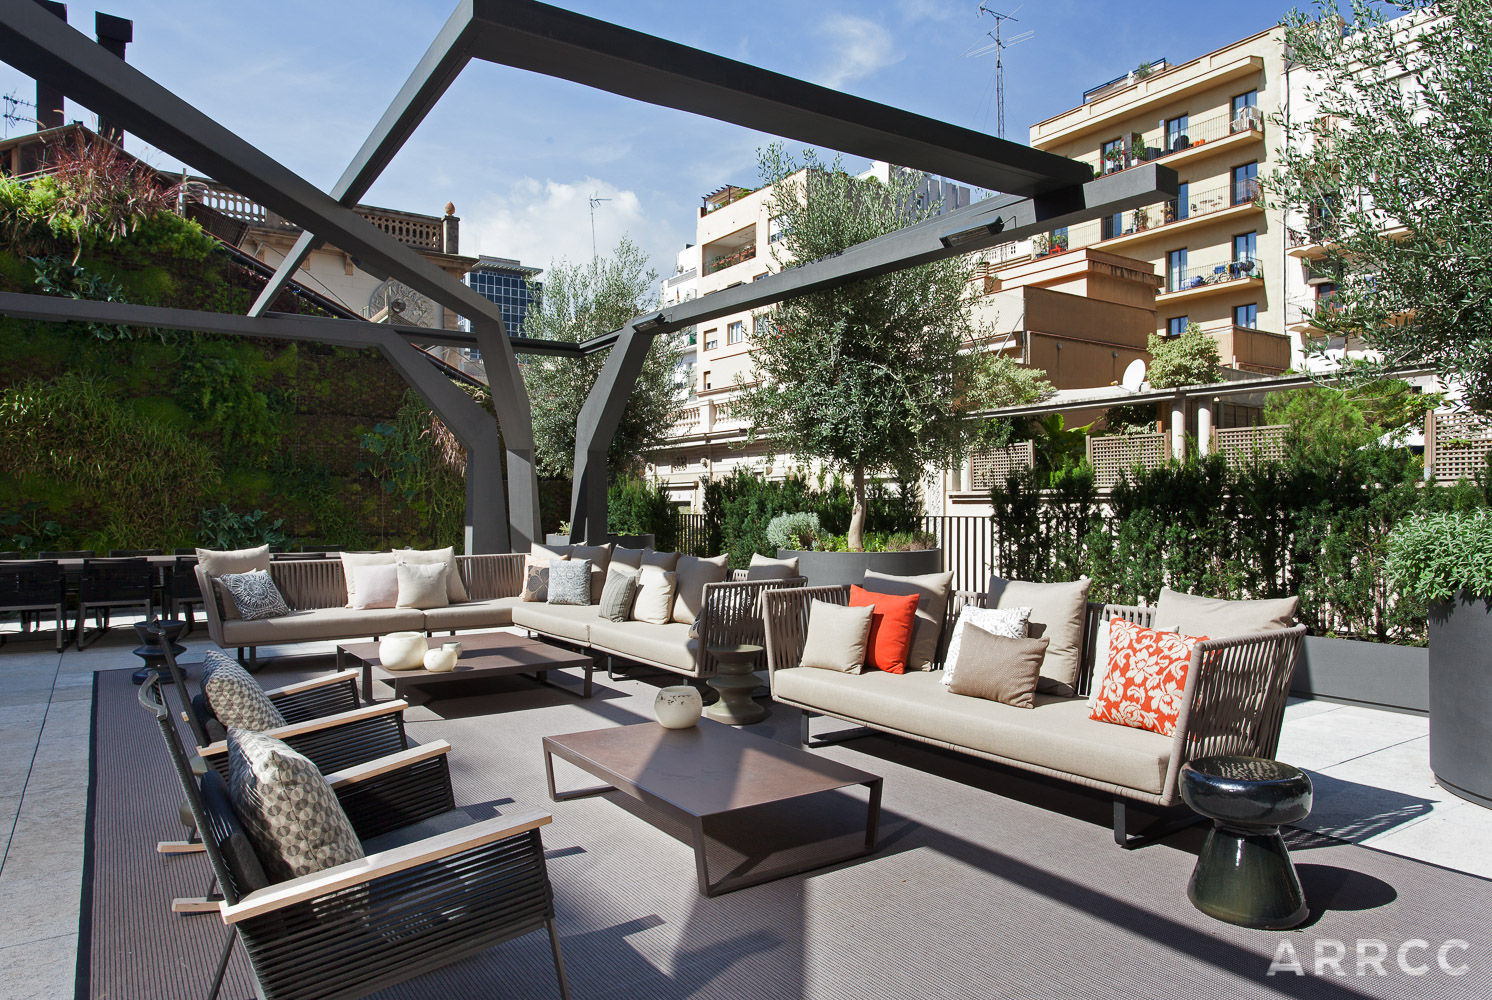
(1373, 786)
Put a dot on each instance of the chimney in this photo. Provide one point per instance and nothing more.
(450, 231)
(114, 33)
(48, 97)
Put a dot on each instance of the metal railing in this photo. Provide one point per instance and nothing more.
(1198, 202)
(1186, 279)
(1158, 143)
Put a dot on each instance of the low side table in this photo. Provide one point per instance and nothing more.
(1243, 875)
(735, 680)
(153, 634)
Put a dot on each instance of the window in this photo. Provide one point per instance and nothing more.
(712, 339)
(1175, 269)
(704, 379)
(1245, 183)
(1245, 245)
(1246, 111)
(735, 332)
(1181, 207)
(1247, 315)
(776, 229)
(1113, 155)
(1176, 133)
(1113, 225)
(1176, 325)
(763, 326)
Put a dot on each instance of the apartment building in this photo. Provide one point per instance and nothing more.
(1220, 251)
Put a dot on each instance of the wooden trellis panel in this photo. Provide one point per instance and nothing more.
(991, 466)
(1112, 454)
(1240, 444)
(1456, 445)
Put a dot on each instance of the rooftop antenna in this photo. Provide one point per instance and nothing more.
(13, 114)
(998, 44)
(594, 202)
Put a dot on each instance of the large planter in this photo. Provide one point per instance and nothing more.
(1372, 674)
(828, 569)
(623, 541)
(1461, 697)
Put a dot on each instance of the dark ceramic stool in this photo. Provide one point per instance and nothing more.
(152, 634)
(1244, 875)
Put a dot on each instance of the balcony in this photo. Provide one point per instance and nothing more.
(1203, 137)
(1209, 279)
(1251, 350)
(731, 259)
(1204, 205)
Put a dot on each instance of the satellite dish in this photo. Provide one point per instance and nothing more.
(1134, 374)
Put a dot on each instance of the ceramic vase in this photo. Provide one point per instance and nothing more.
(678, 707)
(402, 650)
(443, 658)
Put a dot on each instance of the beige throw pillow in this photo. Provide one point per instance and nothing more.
(655, 594)
(630, 558)
(422, 585)
(375, 586)
(663, 560)
(218, 562)
(694, 572)
(352, 560)
(836, 637)
(1220, 619)
(455, 586)
(998, 668)
(1057, 614)
(932, 590)
(766, 568)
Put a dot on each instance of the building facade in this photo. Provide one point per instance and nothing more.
(508, 283)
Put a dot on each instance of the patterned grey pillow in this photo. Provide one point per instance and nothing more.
(570, 582)
(255, 595)
(1009, 623)
(290, 813)
(616, 598)
(235, 697)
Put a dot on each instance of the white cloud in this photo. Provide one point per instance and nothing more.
(860, 47)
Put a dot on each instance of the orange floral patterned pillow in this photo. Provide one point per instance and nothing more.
(1146, 677)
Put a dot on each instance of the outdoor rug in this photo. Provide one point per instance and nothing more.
(987, 883)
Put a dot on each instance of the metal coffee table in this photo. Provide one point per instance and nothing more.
(702, 775)
(483, 654)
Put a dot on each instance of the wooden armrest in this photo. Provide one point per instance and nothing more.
(383, 765)
(316, 725)
(385, 863)
(313, 683)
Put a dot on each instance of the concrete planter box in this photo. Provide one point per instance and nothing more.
(827, 569)
(624, 541)
(1373, 674)
(1461, 697)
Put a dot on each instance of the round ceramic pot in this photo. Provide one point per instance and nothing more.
(678, 707)
(443, 658)
(402, 650)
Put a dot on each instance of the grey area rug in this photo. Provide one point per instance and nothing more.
(986, 884)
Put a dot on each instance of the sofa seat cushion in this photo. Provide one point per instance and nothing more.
(1055, 733)
(668, 644)
(565, 621)
(323, 623)
(495, 613)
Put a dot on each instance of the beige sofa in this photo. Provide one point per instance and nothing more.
(1233, 704)
(316, 591)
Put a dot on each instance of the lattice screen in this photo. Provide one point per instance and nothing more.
(1457, 445)
(991, 466)
(1240, 444)
(1112, 454)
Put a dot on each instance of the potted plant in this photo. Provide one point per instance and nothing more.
(825, 561)
(1445, 560)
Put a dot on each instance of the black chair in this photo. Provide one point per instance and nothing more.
(434, 888)
(108, 585)
(32, 588)
(133, 553)
(12, 555)
(188, 551)
(74, 554)
(181, 589)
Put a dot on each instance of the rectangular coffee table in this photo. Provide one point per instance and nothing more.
(701, 775)
(483, 654)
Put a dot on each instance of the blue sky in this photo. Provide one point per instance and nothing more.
(520, 154)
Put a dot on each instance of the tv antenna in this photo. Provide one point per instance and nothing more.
(998, 44)
(594, 202)
(12, 114)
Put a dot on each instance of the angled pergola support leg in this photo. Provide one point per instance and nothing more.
(510, 403)
(594, 429)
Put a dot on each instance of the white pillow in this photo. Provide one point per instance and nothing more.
(374, 585)
(655, 594)
(351, 561)
(1008, 622)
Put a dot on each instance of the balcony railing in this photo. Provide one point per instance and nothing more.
(1201, 275)
(1200, 202)
(742, 255)
(1158, 143)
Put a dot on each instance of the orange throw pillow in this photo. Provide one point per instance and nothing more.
(892, 618)
(1146, 678)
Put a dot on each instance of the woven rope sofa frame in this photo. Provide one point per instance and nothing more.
(360, 927)
(1233, 703)
(310, 584)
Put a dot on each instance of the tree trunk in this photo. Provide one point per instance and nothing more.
(855, 541)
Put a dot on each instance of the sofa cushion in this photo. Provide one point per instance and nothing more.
(837, 637)
(1210, 616)
(766, 568)
(694, 572)
(653, 602)
(630, 558)
(668, 644)
(494, 613)
(1057, 734)
(570, 582)
(616, 600)
(663, 560)
(351, 561)
(892, 617)
(375, 585)
(1057, 614)
(564, 621)
(216, 562)
(600, 557)
(550, 551)
(1009, 622)
(455, 588)
(234, 698)
(1146, 678)
(932, 590)
(422, 585)
(323, 623)
(254, 595)
(998, 667)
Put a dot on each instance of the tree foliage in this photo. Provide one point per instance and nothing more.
(581, 301)
(1401, 144)
(1190, 359)
(875, 376)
